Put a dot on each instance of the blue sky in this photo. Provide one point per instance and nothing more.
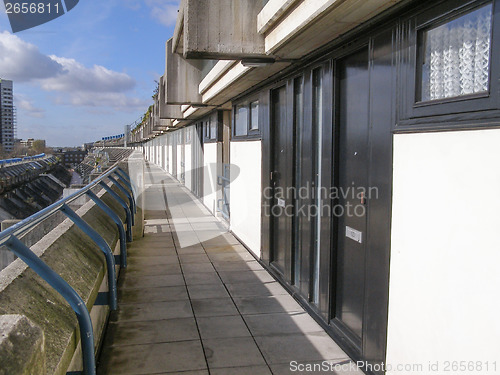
(88, 73)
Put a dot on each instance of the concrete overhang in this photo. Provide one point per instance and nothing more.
(177, 124)
(229, 79)
(218, 29)
(182, 78)
(194, 113)
(178, 37)
(295, 28)
(161, 124)
(167, 111)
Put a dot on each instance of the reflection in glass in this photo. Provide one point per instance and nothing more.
(254, 115)
(241, 120)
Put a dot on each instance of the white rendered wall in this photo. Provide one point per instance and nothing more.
(165, 155)
(162, 151)
(158, 152)
(179, 159)
(198, 152)
(245, 192)
(170, 154)
(445, 252)
(210, 152)
(188, 163)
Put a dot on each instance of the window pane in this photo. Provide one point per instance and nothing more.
(213, 129)
(298, 104)
(254, 116)
(241, 121)
(317, 100)
(457, 56)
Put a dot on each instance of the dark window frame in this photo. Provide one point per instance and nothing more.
(208, 125)
(466, 111)
(250, 133)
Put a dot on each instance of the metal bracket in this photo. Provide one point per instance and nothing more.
(102, 299)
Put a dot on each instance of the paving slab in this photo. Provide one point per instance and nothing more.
(256, 289)
(237, 265)
(246, 277)
(156, 294)
(267, 305)
(150, 281)
(150, 332)
(149, 261)
(197, 268)
(203, 278)
(137, 270)
(232, 352)
(281, 323)
(204, 291)
(194, 301)
(305, 347)
(154, 358)
(250, 370)
(216, 327)
(214, 307)
(140, 312)
(325, 367)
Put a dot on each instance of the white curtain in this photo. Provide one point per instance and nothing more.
(457, 56)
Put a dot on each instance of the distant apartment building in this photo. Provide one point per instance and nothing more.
(7, 115)
(71, 157)
(27, 142)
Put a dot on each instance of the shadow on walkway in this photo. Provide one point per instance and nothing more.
(193, 300)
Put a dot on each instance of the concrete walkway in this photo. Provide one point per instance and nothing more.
(194, 301)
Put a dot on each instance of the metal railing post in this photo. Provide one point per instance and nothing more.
(68, 293)
(108, 253)
(124, 174)
(129, 186)
(128, 212)
(114, 216)
(127, 193)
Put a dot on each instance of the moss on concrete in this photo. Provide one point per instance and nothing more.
(21, 346)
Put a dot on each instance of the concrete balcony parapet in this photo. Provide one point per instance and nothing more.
(22, 346)
(70, 253)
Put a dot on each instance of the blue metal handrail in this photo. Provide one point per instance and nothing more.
(9, 239)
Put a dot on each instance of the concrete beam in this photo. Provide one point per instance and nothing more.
(178, 37)
(167, 111)
(221, 29)
(183, 78)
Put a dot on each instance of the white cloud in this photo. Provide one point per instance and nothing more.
(164, 11)
(72, 82)
(22, 62)
(25, 105)
(114, 100)
(77, 77)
